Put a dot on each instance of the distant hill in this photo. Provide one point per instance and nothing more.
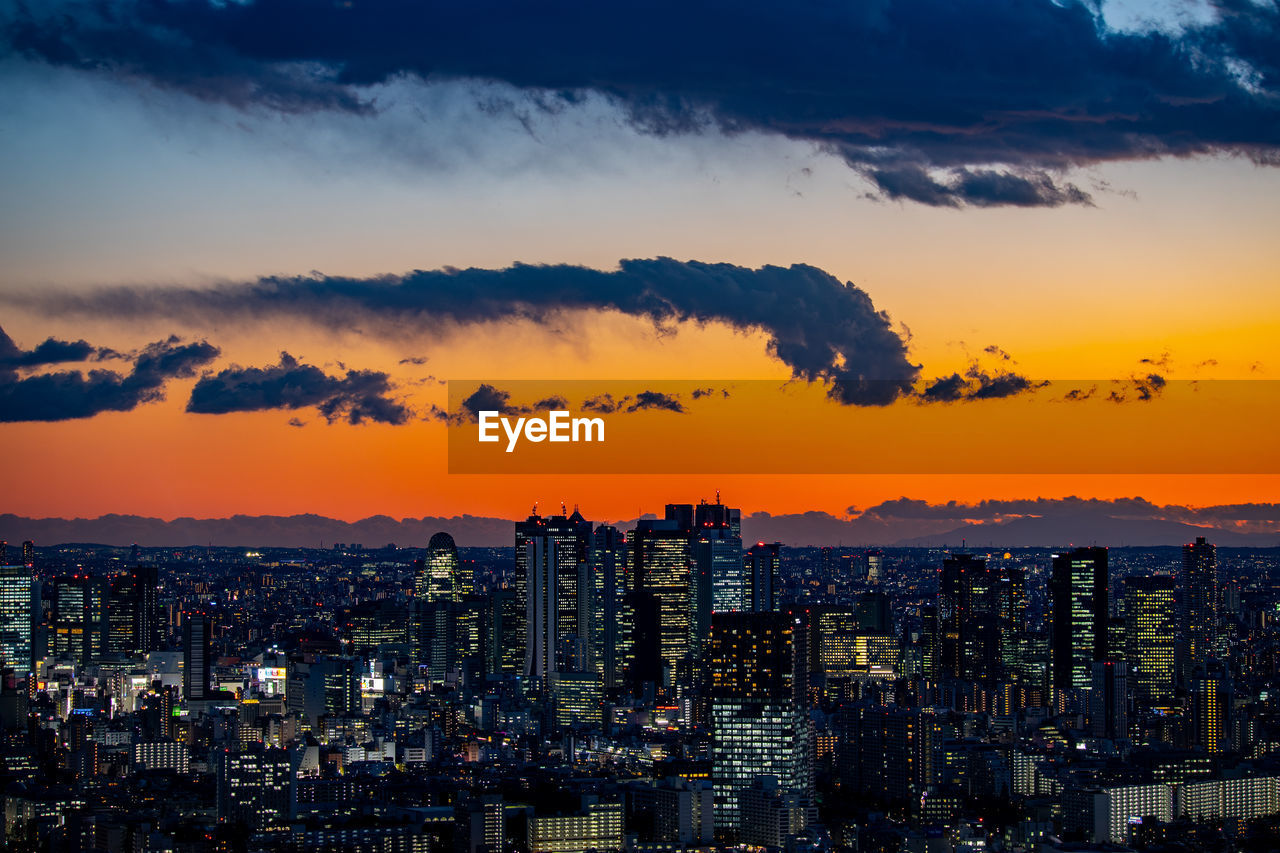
(1096, 530)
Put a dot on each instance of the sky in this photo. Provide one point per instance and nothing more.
(246, 244)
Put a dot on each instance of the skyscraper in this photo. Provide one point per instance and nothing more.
(15, 619)
(197, 653)
(573, 586)
(610, 636)
(718, 577)
(442, 571)
(760, 725)
(1109, 699)
(1200, 585)
(1078, 600)
(80, 618)
(662, 557)
(1150, 631)
(762, 563)
(969, 619)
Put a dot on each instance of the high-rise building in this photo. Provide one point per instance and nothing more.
(442, 576)
(1210, 697)
(1078, 600)
(1109, 699)
(573, 587)
(256, 788)
(79, 624)
(762, 563)
(662, 558)
(1150, 631)
(1200, 585)
(15, 619)
(610, 636)
(197, 654)
(28, 553)
(544, 556)
(718, 578)
(760, 723)
(969, 619)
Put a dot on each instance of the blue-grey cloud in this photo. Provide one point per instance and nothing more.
(823, 329)
(68, 395)
(357, 397)
(936, 102)
(49, 351)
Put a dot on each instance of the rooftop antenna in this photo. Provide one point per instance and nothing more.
(717, 497)
(563, 509)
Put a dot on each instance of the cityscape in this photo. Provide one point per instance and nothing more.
(639, 427)
(662, 688)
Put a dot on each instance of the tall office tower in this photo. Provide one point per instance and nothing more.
(256, 788)
(433, 635)
(1211, 699)
(1012, 585)
(1109, 699)
(1078, 602)
(875, 566)
(1200, 585)
(79, 618)
(760, 722)
(28, 553)
(609, 582)
(4, 551)
(682, 514)
(730, 586)
(15, 619)
(572, 584)
(718, 578)
(873, 613)
(147, 632)
(442, 571)
(197, 655)
(969, 619)
(762, 562)
(121, 621)
(662, 558)
(1150, 633)
(930, 642)
(543, 556)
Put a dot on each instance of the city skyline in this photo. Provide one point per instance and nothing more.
(328, 248)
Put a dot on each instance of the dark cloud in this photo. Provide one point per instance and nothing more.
(824, 329)
(979, 383)
(655, 400)
(50, 351)
(937, 102)
(357, 397)
(414, 359)
(1245, 517)
(1022, 187)
(67, 395)
(1137, 388)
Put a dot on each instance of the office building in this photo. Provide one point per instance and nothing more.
(1079, 614)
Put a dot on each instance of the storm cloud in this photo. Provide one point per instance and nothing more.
(70, 394)
(935, 102)
(357, 397)
(823, 329)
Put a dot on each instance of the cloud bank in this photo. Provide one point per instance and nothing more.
(935, 102)
(823, 329)
(358, 397)
(71, 394)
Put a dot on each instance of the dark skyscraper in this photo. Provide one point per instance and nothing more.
(1078, 601)
(80, 619)
(762, 562)
(1200, 588)
(573, 587)
(15, 618)
(663, 559)
(610, 637)
(197, 653)
(969, 619)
